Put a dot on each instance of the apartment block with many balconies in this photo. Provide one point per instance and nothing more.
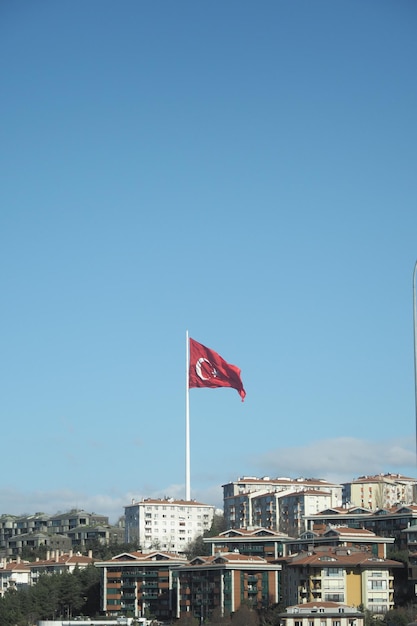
(166, 524)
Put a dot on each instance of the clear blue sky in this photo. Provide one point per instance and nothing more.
(243, 170)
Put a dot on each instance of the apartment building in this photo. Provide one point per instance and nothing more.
(224, 581)
(59, 563)
(17, 574)
(396, 522)
(14, 575)
(18, 543)
(278, 504)
(340, 575)
(63, 531)
(166, 524)
(140, 584)
(342, 537)
(380, 491)
(262, 542)
(272, 545)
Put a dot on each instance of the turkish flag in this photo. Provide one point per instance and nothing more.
(209, 369)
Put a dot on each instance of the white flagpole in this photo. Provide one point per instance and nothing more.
(187, 420)
(415, 341)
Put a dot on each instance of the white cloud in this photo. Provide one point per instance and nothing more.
(340, 460)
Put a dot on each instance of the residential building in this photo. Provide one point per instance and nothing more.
(322, 614)
(116, 621)
(104, 534)
(340, 575)
(250, 501)
(262, 542)
(16, 544)
(294, 506)
(13, 575)
(272, 545)
(166, 524)
(396, 522)
(63, 531)
(342, 537)
(57, 562)
(380, 491)
(140, 584)
(16, 574)
(63, 523)
(223, 582)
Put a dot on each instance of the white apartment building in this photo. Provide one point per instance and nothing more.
(250, 502)
(166, 524)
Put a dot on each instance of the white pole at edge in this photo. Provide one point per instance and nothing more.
(415, 341)
(187, 421)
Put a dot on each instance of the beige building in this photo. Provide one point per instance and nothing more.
(380, 491)
(278, 503)
(14, 575)
(340, 575)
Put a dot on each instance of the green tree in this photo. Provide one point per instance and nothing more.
(245, 616)
(70, 594)
(270, 615)
(197, 547)
(399, 617)
(44, 597)
(90, 584)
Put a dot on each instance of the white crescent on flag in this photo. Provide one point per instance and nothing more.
(199, 370)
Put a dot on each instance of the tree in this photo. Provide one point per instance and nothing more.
(70, 594)
(187, 620)
(270, 615)
(44, 597)
(245, 616)
(399, 617)
(218, 526)
(217, 619)
(197, 547)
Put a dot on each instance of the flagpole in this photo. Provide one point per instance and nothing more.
(187, 420)
(415, 341)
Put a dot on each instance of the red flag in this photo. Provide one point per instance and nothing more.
(209, 369)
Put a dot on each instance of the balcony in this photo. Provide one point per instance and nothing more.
(150, 584)
(128, 584)
(149, 574)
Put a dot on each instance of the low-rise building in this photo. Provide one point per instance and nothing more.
(322, 614)
(17, 544)
(342, 537)
(262, 542)
(16, 574)
(62, 531)
(395, 522)
(59, 563)
(13, 575)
